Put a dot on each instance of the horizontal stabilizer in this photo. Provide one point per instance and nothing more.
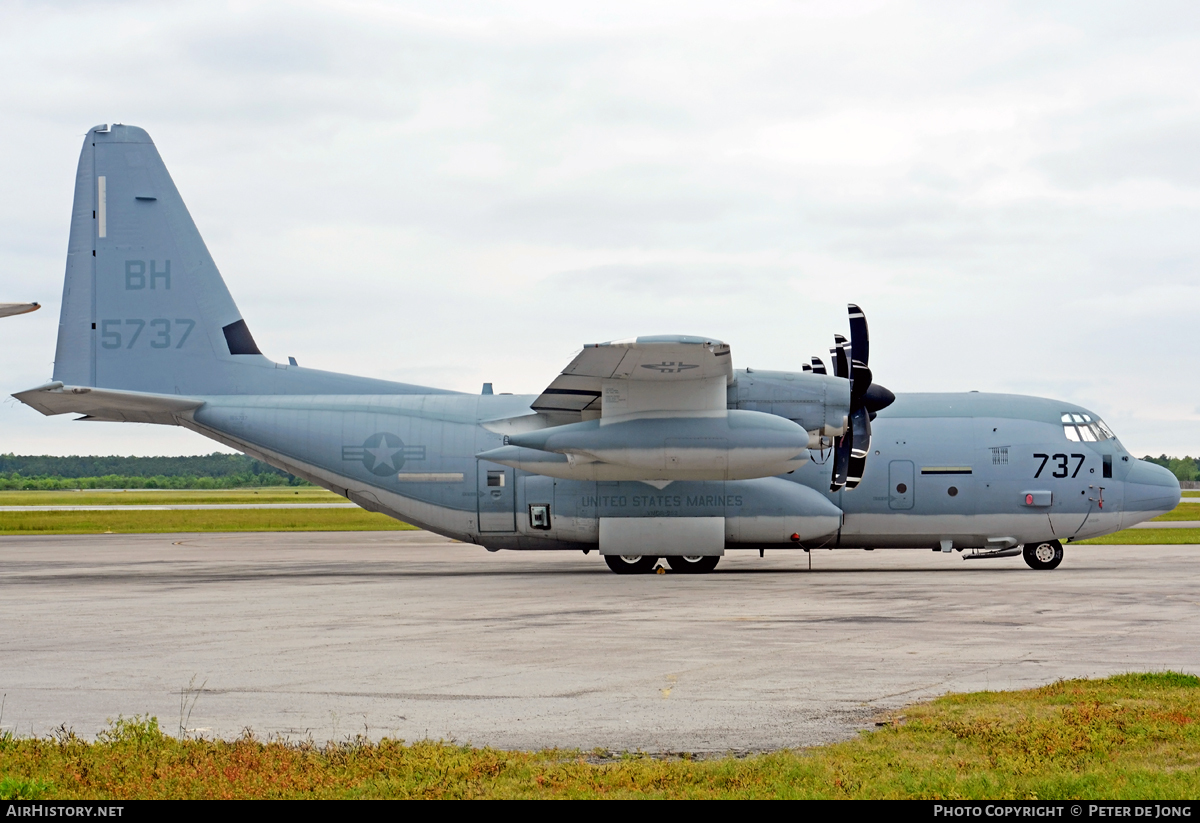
(108, 404)
(9, 309)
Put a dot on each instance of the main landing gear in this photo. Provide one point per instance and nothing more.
(1043, 556)
(687, 564)
(630, 564)
(644, 564)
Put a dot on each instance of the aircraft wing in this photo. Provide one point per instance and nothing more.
(667, 373)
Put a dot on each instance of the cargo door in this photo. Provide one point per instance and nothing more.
(497, 498)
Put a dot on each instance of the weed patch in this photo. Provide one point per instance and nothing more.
(1133, 736)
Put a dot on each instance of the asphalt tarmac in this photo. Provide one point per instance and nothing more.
(405, 634)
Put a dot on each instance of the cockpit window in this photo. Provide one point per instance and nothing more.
(1085, 428)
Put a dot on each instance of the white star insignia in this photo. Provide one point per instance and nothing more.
(383, 454)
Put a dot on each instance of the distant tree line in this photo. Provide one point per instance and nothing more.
(205, 471)
(1184, 468)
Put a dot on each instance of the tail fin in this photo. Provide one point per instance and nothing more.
(144, 307)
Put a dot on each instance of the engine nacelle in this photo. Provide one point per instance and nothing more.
(819, 403)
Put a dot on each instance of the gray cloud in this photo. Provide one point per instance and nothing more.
(1166, 154)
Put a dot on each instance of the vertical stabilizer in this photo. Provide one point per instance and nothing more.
(144, 307)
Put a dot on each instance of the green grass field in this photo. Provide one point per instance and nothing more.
(221, 520)
(184, 497)
(1186, 510)
(1145, 537)
(217, 520)
(1132, 736)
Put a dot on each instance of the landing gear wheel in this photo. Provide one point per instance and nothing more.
(699, 564)
(630, 564)
(1043, 556)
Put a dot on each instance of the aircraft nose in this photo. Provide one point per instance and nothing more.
(1150, 490)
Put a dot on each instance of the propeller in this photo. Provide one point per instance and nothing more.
(866, 399)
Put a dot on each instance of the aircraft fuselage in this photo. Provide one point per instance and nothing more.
(946, 471)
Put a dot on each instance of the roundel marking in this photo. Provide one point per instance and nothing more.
(383, 453)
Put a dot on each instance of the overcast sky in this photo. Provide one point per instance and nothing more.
(452, 193)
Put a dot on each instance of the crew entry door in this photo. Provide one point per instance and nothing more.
(497, 498)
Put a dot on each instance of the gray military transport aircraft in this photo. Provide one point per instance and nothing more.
(643, 448)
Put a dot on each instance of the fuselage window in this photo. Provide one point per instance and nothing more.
(1084, 428)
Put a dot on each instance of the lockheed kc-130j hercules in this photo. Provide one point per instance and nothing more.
(648, 448)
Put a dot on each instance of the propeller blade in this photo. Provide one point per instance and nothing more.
(854, 471)
(860, 432)
(860, 446)
(805, 367)
(841, 462)
(860, 339)
(841, 366)
(817, 366)
(860, 382)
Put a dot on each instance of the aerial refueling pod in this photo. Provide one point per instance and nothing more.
(730, 445)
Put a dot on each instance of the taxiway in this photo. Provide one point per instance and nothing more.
(406, 634)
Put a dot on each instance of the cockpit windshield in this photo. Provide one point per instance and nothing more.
(1085, 428)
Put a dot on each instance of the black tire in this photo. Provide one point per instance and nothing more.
(1043, 556)
(701, 564)
(638, 564)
